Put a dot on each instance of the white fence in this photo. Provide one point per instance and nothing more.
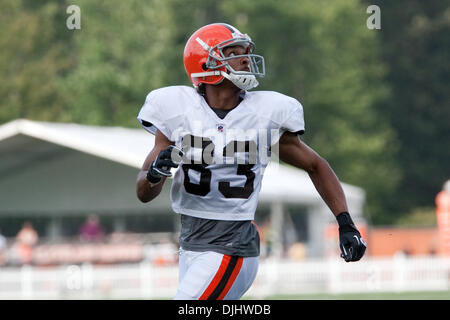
(145, 281)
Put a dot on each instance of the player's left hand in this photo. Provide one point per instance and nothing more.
(352, 244)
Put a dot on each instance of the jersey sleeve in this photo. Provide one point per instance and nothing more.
(293, 118)
(288, 116)
(153, 115)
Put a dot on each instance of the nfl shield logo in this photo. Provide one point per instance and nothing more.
(220, 127)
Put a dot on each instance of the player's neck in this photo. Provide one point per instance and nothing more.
(224, 96)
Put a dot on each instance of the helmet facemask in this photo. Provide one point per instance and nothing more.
(244, 80)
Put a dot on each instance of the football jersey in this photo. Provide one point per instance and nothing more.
(224, 162)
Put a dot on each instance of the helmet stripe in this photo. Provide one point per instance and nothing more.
(233, 30)
(203, 44)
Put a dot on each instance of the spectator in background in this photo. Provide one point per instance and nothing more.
(26, 239)
(3, 248)
(91, 230)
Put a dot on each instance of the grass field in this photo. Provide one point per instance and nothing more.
(423, 295)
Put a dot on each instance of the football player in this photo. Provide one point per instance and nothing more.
(216, 134)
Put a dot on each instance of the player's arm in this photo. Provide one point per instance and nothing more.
(146, 190)
(295, 152)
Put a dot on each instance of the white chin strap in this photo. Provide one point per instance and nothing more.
(244, 82)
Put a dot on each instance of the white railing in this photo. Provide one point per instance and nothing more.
(146, 281)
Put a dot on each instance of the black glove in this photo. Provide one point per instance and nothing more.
(351, 244)
(166, 159)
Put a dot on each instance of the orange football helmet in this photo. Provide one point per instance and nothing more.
(205, 62)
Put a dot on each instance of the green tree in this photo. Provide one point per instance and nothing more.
(416, 48)
(34, 57)
(121, 57)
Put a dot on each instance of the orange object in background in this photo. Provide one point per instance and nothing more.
(443, 218)
(385, 242)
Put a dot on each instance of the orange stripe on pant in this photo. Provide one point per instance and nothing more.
(224, 278)
(230, 282)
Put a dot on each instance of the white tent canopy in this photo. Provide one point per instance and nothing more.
(292, 185)
(129, 147)
(123, 145)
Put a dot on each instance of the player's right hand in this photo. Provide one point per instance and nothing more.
(166, 159)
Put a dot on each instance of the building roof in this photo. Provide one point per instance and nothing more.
(123, 145)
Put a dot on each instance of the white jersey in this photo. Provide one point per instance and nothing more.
(221, 173)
